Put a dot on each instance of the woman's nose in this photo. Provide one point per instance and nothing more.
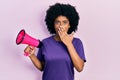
(61, 24)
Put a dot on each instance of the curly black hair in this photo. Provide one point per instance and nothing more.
(66, 10)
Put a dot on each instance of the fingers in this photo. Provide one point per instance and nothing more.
(72, 34)
(29, 50)
(61, 31)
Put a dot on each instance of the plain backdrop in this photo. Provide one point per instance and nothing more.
(99, 30)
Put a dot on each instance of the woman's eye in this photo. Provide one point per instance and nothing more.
(57, 22)
(65, 22)
(61, 23)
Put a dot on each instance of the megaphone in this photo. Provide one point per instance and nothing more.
(24, 38)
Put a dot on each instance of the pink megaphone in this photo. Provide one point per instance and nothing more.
(24, 38)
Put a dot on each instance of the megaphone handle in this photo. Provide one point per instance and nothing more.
(28, 50)
(26, 54)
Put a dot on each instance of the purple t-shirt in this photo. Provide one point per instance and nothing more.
(58, 64)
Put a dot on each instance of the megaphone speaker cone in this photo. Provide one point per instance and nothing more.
(20, 36)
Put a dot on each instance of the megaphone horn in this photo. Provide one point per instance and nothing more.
(24, 38)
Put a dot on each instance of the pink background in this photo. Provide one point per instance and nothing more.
(99, 30)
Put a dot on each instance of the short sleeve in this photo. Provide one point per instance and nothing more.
(40, 55)
(80, 50)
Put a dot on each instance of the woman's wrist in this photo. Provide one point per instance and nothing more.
(30, 55)
(69, 45)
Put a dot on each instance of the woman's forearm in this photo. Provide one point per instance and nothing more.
(77, 61)
(37, 63)
(31, 53)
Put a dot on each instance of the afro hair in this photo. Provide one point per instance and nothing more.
(66, 10)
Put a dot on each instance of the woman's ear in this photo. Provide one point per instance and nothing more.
(69, 27)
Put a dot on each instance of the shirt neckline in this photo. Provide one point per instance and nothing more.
(56, 40)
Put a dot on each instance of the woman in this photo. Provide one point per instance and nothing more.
(61, 52)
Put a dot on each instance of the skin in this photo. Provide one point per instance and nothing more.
(61, 26)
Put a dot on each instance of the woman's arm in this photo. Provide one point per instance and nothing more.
(37, 63)
(77, 61)
(67, 40)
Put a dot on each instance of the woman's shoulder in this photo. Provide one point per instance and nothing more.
(47, 38)
(76, 39)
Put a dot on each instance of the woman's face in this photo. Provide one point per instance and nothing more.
(61, 21)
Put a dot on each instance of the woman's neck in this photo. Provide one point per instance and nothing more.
(57, 38)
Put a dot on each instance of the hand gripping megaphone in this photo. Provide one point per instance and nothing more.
(24, 38)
